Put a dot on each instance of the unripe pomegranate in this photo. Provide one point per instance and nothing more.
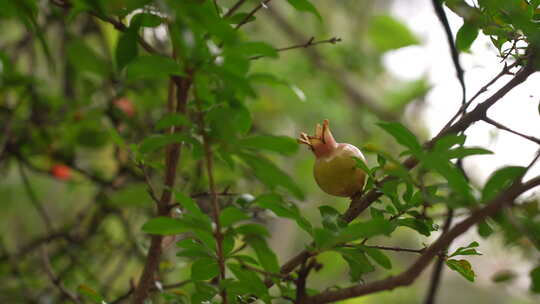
(61, 172)
(125, 105)
(335, 168)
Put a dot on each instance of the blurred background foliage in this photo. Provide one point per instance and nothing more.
(62, 79)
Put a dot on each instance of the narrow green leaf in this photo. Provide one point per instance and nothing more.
(280, 144)
(462, 152)
(171, 119)
(249, 279)
(268, 173)
(500, 180)
(204, 269)
(378, 256)
(401, 134)
(305, 6)
(371, 228)
(189, 204)
(275, 203)
(358, 262)
(126, 48)
(466, 35)
(158, 141)
(463, 267)
(153, 66)
(145, 20)
(381, 26)
(267, 258)
(165, 226)
(231, 215)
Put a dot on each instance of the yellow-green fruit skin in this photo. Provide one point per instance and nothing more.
(337, 174)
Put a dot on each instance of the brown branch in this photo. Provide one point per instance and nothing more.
(409, 276)
(398, 249)
(301, 281)
(309, 43)
(252, 13)
(126, 295)
(438, 268)
(171, 162)
(54, 278)
(234, 8)
(503, 127)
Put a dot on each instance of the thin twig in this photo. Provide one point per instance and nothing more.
(55, 279)
(262, 4)
(409, 276)
(309, 43)
(463, 108)
(503, 127)
(215, 203)
(234, 8)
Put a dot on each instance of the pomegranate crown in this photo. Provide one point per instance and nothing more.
(323, 143)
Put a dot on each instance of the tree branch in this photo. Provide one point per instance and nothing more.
(408, 277)
(362, 202)
(309, 43)
(252, 13)
(171, 162)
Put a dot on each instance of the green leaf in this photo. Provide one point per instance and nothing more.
(371, 228)
(204, 269)
(276, 204)
(250, 280)
(126, 48)
(153, 66)
(462, 152)
(253, 230)
(267, 258)
(467, 250)
(378, 256)
(280, 144)
(171, 119)
(250, 49)
(484, 229)
(231, 215)
(466, 36)
(272, 176)
(158, 141)
(500, 180)
(189, 204)
(535, 280)
(331, 218)
(145, 20)
(305, 6)
(416, 224)
(463, 267)
(165, 226)
(358, 262)
(381, 26)
(401, 134)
